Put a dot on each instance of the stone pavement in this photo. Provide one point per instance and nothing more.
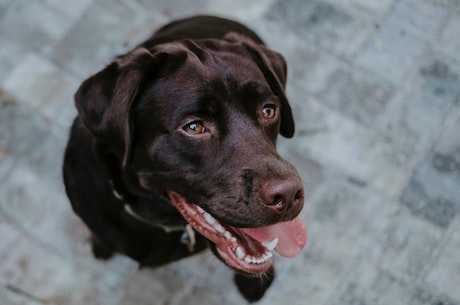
(375, 87)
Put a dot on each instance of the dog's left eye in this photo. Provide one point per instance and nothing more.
(195, 128)
(269, 112)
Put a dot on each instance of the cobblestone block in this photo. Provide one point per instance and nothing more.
(376, 287)
(31, 25)
(34, 271)
(20, 131)
(147, 287)
(70, 9)
(39, 83)
(433, 191)
(100, 35)
(424, 296)
(356, 94)
(448, 41)
(443, 273)
(202, 296)
(401, 38)
(172, 9)
(11, 295)
(10, 54)
(332, 27)
(315, 72)
(378, 8)
(346, 89)
(244, 10)
(9, 234)
(415, 115)
(351, 210)
(363, 155)
(408, 246)
(24, 197)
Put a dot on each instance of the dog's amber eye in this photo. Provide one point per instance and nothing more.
(269, 112)
(195, 128)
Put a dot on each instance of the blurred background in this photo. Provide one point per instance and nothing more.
(375, 88)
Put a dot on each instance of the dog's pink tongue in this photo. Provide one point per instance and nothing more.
(292, 236)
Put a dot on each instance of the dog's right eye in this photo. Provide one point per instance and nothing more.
(195, 128)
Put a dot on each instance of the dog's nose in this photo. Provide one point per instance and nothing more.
(282, 194)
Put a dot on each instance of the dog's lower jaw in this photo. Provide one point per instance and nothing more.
(253, 288)
(236, 249)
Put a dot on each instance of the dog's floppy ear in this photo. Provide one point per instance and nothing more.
(274, 68)
(104, 101)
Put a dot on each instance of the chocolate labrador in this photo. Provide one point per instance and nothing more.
(174, 151)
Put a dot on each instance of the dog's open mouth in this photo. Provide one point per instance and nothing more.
(246, 249)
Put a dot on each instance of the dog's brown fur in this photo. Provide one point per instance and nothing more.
(131, 142)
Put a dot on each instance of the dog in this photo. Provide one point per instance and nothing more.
(173, 151)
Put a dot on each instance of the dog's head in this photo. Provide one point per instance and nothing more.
(197, 122)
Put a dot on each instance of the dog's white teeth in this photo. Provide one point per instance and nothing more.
(268, 255)
(240, 253)
(270, 245)
(228, 235)
(209, 219)
(199, 209)
(219, 228)
(257, 260)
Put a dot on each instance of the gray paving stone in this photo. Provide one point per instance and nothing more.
(38, 82)
(382, 289)
(433, 191)
(241, 9)
(409, 245)
(415, 115)
(338, 29)
(3, 6)
(448, 42)
(31, 25)
(199, 295)
(401, 38)
(443, 274)
(348, 90)
(172, 9)
(424, 296)
(364, 155)
(70, 9)
(12, 296)
(33, 270)
(356, 94)
(156, 283)
(315, 71)
(387, 274)
(10, 54)
(352, 209)
(376, 7)
(100, 35)
(20, 129)
(9, 235)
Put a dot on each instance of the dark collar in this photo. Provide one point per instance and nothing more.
(188, 236)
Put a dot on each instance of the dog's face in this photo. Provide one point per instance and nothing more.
(197, 122)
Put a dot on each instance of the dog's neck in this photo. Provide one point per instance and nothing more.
(112, 168)
(187, 238)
